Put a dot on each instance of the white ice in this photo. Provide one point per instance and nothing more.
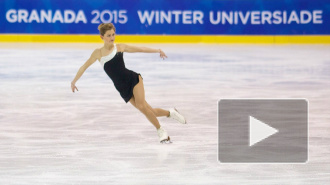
(49, 135)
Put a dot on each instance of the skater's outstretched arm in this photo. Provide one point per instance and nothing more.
(134, 49)
(83, 68)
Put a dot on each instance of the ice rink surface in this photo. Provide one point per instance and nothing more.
(49, 135)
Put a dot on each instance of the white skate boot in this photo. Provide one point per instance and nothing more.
(177, 116)
(163, 136)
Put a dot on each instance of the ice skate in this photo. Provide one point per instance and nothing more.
(177, 116)
(163, 136)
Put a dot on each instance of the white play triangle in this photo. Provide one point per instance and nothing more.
(259, 131)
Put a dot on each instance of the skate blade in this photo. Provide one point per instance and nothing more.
(166, 141)
(185, 121)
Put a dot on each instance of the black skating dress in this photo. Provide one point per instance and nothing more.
(123, 79)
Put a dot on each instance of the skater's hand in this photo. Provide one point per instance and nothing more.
(73, 87)
(162, 54)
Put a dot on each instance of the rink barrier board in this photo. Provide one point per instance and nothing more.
(171, 17)
(212, 39)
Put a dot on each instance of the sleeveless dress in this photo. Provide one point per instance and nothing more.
(123, 79)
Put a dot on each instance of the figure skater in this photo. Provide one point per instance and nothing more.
(128, 83)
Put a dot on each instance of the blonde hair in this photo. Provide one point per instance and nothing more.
(104, 27)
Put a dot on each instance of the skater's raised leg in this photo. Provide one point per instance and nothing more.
(177, 116)
(157, 111)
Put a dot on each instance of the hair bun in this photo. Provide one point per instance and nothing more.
(104, 27)
(100, 26)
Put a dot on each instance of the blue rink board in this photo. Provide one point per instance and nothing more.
(172, 17)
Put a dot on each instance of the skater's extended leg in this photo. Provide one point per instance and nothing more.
(177, 116)
(157, 111)
(140, 103)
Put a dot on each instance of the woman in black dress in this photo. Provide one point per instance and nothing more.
(128, 83)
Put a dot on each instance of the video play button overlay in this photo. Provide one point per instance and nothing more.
(263, 131)
(259, 131)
